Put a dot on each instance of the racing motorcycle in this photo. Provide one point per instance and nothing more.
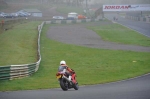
(63, 79)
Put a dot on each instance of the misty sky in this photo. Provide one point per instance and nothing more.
(120, 1)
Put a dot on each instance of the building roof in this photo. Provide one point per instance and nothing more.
(32, 10)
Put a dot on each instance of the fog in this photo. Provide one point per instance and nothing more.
(87, 1)
(119, 1)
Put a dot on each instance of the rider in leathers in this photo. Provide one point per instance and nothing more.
(68, 70)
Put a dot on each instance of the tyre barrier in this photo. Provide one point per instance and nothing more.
(19, 71)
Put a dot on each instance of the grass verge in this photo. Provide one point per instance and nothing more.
(120, 34)
(93, 66)
(18, 45)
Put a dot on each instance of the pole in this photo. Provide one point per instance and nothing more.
(86, 4)
(86, 8)
(141, 13)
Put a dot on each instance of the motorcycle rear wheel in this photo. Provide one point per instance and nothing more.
(63, 84)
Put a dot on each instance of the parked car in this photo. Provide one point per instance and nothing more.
(14, 14)
(81, 17)
(2, 15)
(6, 15)
(58, 17)
(72, 16)
(9, 15)
(27, 13)
(21, 14)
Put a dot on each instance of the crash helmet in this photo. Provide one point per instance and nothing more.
(62, 62)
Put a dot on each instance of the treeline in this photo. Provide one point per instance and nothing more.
(67, 2)
(81, 2)
(136, 1)
(2, 2)
(42, 1)
(88, 1)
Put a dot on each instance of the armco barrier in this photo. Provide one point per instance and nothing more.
(24, 70)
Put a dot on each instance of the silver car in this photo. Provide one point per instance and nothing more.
(58, 17)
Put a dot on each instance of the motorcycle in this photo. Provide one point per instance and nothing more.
(63, 79)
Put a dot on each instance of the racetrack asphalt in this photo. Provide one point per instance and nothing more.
(78, 34)
(137, 88)
(139, 26)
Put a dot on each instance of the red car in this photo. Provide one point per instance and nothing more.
(81, 17)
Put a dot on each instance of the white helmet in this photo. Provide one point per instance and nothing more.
(62, 62)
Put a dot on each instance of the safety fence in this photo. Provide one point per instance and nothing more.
(24, 70)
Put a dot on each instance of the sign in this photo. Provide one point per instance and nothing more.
(141, 7)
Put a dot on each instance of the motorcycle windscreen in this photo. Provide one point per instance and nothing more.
(61, 68)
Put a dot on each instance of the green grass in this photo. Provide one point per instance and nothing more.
(93, 66)
(119, 34)
(18, 45)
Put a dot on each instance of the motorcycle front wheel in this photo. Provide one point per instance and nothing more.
(76, 86)
(63, 84)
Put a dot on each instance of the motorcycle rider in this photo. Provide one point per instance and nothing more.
(69, 71)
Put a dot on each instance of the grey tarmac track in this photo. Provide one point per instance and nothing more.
(137, 88)
(78, 34)
(139, 26)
